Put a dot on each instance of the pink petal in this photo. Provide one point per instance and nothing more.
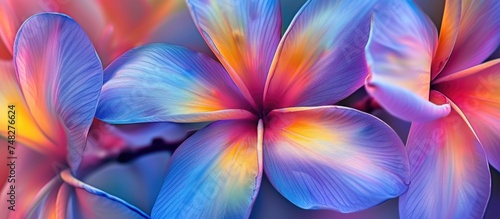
(450, 177)
(447, 35)
(478, 35)
(14, 12)
(476, 91)
(34, 171)
(10, 94)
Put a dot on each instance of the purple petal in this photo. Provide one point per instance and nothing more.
(333, 158)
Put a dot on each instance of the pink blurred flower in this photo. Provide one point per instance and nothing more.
(113, 26)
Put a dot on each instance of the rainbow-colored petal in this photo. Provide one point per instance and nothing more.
(333, 158)
(27, 132)
(320, 59)
(447, 35)
(60, 76)
(476, 91)
(244, 36)
(216, 173)
(450, 177)
(160, 82)
(478, 35)
(71, 198)
(399, 55)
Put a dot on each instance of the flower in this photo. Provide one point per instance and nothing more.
(53, 94)
(269, 100)
(452, 100)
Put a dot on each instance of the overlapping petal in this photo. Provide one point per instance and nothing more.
(86, 205)
(108, 23)
(67, 197)
(216, 173)
(320, 59)
(60, 76)
(14, 12)
(450, 176)
(31, 176)
(478, 35)
(24, 127)
(159, 82)
(476, 91)
(399, 55)
(244, 35)
(447, 35)
(46, 205)
(92, 202)
(334, 158)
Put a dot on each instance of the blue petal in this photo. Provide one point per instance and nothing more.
(61, 78)
(165, 83)
(216, 173)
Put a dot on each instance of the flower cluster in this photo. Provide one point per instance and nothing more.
(91, 94)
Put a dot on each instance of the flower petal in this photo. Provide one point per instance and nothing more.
(94, 203)
(35, 176)
(320, 59)
(450, 177)
(87, 205)
(405, 104)
(159, 82)
(14, 12)
(399, 54)
(46, 206)
(60, 76)
(10, 94)
(476, 91)
(447, 35)
(333, 158)
(244, 35)
(216, 173)
(478, 35)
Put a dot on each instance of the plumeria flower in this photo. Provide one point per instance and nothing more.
(269, 100)
(113, 26)
(452, 99)
(54, 90)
